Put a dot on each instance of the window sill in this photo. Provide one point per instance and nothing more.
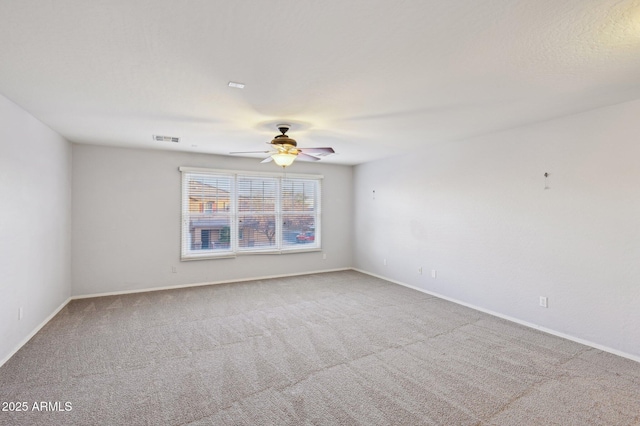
(285, 251)
(207, 257)
(210, 256)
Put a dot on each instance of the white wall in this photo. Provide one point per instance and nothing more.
(35, 224)
(126, 222)
(477, 212)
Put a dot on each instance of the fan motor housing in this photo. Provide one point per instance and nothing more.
(283, 140)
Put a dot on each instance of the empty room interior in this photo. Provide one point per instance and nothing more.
(337, 212)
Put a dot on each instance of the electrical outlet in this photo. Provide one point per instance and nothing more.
(434, 273)
(384, 262)
(20, 313)
(543, 302)
(324, 256)
(420, 270)
(174, 270)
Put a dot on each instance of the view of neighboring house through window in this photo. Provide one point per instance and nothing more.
(209, 202)
(226, 213)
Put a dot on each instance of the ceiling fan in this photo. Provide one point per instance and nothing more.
(284, 150)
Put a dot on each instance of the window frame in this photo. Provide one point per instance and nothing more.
(280, 247)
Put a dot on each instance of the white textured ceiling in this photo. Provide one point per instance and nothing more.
(371, 78)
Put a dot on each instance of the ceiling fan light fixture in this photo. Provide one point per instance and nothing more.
(283, 159)
(284, 150)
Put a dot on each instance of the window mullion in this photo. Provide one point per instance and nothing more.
(317, 206)
(278, 213)
(234, 215)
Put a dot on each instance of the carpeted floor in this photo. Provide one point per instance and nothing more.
(336, 348)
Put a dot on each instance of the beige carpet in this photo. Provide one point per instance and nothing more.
(327, 349)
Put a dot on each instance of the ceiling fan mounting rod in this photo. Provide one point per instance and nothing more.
(284, 128)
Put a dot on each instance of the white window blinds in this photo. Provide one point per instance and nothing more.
(229, 213)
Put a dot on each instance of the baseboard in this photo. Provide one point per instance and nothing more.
(33, 333)
(441, 296)
(510, 318)
(173, 287)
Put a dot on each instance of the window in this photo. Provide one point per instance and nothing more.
(227, 213)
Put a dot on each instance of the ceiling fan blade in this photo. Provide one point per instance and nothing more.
(267, 160)
(305, 157)
(317, 150)
(250, 152)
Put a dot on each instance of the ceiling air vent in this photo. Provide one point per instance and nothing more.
(166, 138)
